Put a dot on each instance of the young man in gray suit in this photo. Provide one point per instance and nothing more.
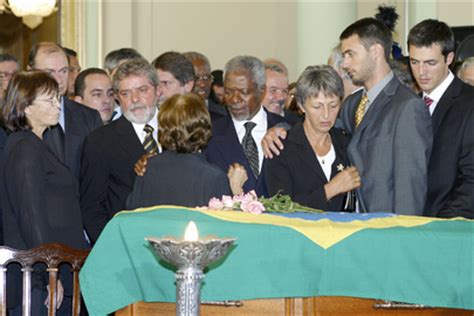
(390, 127)
(390, 131)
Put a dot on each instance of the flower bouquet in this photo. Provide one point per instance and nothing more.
(251, 203)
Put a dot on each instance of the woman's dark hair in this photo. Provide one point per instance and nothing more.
(22, 90)
(184, 123)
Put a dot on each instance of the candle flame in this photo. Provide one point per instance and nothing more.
(191, 233)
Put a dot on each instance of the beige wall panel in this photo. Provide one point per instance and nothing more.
(319, 25)
(222, 30)
(117, 22)
(456, 13)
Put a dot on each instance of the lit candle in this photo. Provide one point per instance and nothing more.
(191, 233)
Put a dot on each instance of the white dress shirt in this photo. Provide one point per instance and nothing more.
(438, 92)
(141, 133)
(257, 132)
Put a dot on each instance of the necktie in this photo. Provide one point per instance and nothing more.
(149, 142)
(54, 137)
(359, 115)
(250, 148)
(428, 101)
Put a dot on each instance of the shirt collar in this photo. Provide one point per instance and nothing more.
(375, 91)
(259, 119)
(438, 92)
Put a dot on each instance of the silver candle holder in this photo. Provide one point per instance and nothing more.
(190, 255)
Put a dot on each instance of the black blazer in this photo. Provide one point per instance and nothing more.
(292, 118)
(79, 121)
(172, 178)
(40, 204)
(40, 199)
(224, 149)
(107, 176)
(214, 108)
(451, 166)
(297, 172)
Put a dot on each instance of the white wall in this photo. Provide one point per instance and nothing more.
(298, 32)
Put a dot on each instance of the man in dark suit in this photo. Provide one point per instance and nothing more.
(76, 121)
(111, 151)
(390, 127)
(237, 137)
(203, 83)
(451, 104)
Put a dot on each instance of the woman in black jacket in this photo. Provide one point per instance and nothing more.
(39, 194)
(314, 169)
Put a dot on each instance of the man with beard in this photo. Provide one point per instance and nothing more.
(390, 126)
(111, 151)
(203, 83)
(237, 137)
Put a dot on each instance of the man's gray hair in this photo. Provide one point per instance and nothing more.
(114, 57)
(252, 65)
(318, 79)
(198, 56)
(337, 60)
(275, 68)
(468, 62)
(135, 67)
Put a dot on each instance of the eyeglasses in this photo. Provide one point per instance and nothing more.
(6, 75)
(52, 101)
(207, 78)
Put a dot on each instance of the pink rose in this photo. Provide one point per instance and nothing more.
(247, 199)
(254, 207)
(215, 204)
(238, 198)
(228, 201)
(253, 195)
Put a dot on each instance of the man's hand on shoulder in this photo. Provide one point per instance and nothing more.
(140, 165)
(272, 141)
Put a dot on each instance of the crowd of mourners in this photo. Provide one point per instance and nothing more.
(371, 131)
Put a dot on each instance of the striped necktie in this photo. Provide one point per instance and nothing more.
(428, 101)
(149, 142)
(250, 148)
(360, 112)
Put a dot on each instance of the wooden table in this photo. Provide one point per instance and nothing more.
(317, 306)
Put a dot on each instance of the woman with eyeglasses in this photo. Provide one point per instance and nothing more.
(39, 194)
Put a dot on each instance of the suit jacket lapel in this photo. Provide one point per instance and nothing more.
(379, 103)
(72, 133)
(129, 141)
(230, 147)
(340, 153)
(445, 103)
(298, 137)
